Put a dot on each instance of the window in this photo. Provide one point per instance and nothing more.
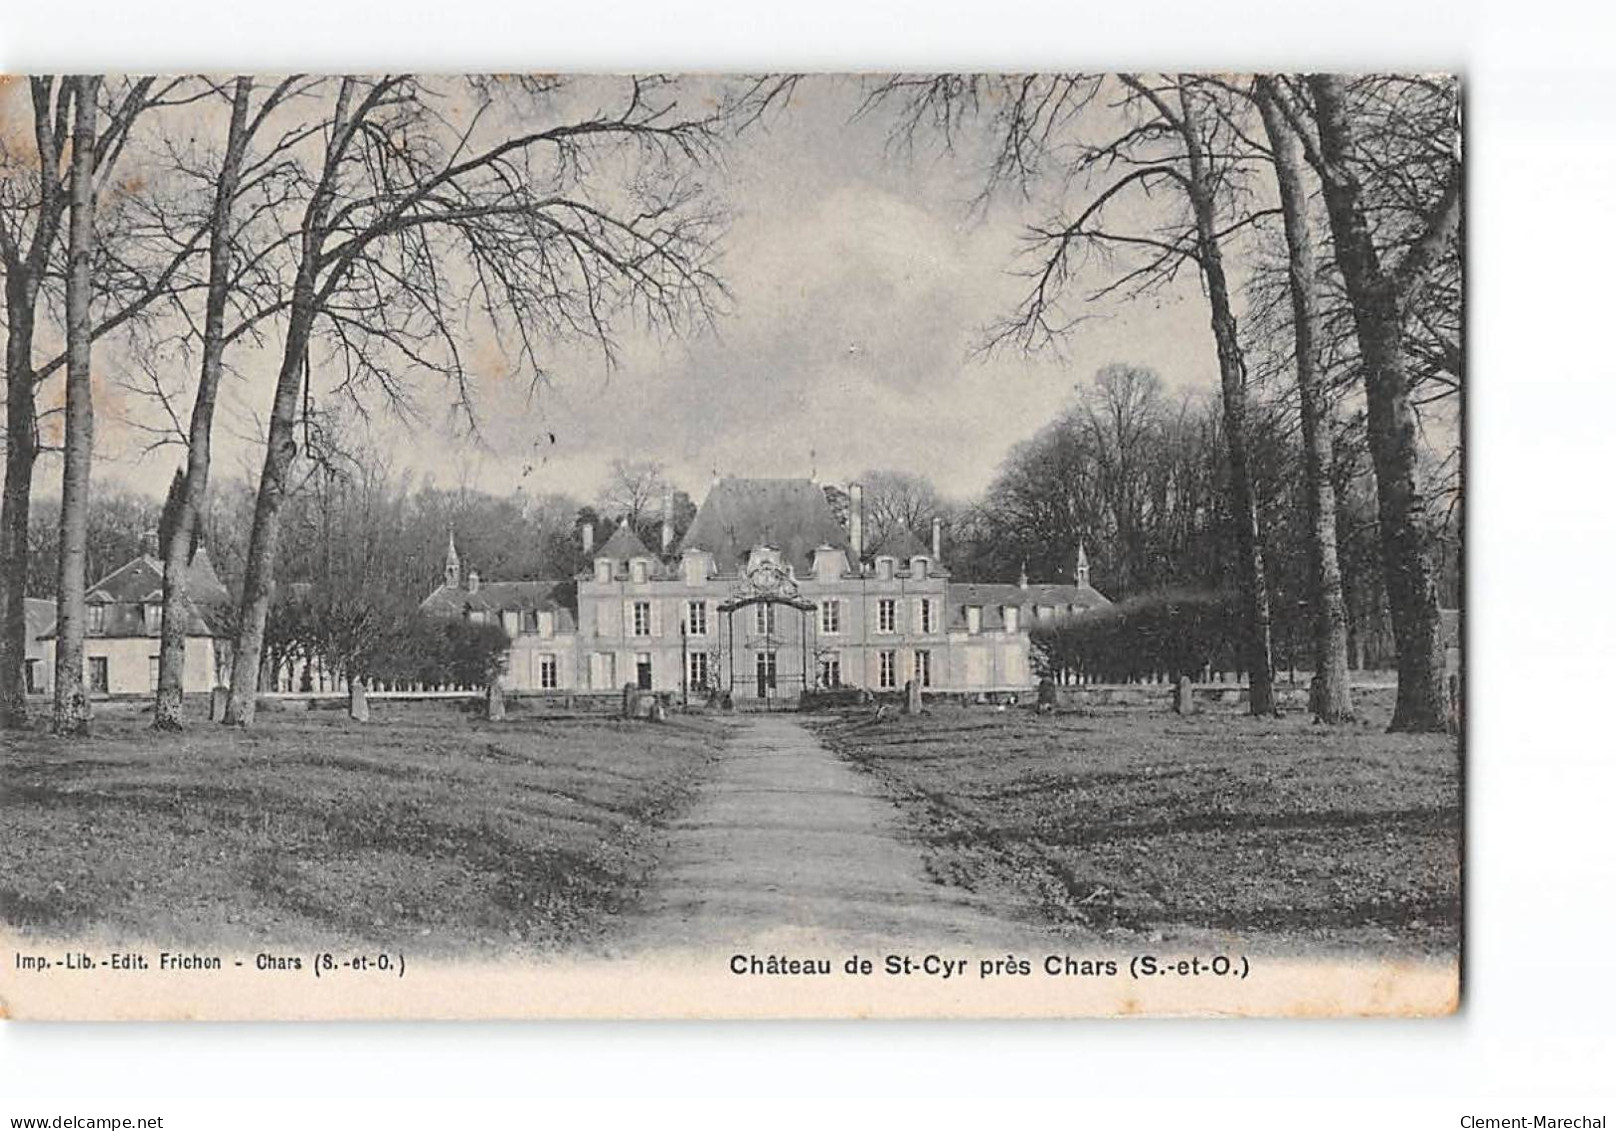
(973, 618)
(154, 619)
(511, 621)
(546, 624)
(548, 672)
(698, 669)
(923, 668)
(1012, 618)
(830, 670)
(98, 674)
(889, 669)
(830, 617)
(603, 671)
(603, 570)
(98, 618)
(926, 615)
(696, 618)
(642, 670)
(765, 619)
(152, 665)
(642, 618)
(530, 620)
(886, 615)
(917, 567)
(766, 670)
(884, 567)
(637, 571)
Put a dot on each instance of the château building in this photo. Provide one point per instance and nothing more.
(766, 594)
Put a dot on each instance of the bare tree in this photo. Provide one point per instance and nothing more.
(1153, 133)
(634, 490)
(34, 194)
(409, 181)
(1330, 696)
(226, 278)
(1380, 298)
(70, 714)
(896, 501)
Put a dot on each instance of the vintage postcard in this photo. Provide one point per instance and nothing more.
(912, 545)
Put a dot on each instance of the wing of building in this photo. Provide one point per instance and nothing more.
(767, 594)
(123, 626)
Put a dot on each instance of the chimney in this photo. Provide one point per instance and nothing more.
(936, 539)
(1082, 565)
(855, 523)
(472, 581)
(148, 543)
(589, 538)
(667, 522)
(1022, 581)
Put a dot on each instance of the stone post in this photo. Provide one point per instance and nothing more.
(1184, 697)
(496, 700)
(631, 697)
(358, 705)
(911, 697)
(217, 704)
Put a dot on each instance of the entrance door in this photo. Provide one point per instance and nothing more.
(642, 670)
(98, 675)
(765, 674)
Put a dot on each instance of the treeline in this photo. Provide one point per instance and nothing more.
(1322, 217)
(1161, 635)
(366, 234)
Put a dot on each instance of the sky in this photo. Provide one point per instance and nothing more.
(860, 278)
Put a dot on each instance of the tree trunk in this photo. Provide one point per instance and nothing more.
(21, 450)
(168, 713)
(24, 270)
(1232, 373)
(71, 710)
(1330, 697)
(258, 586)
(1393, 444)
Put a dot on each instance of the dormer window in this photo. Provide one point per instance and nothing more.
(603, 570)
(973, 619)
(1012, 618)
(828, 563)
(695, 567)
(637, 570)
(885, 567)
(154, 618)
(919, 567)
(98, 618)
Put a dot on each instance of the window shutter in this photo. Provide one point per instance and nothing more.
(628, 619)
(656, 618)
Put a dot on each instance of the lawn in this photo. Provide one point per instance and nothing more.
(1135, 822)
(426, 828)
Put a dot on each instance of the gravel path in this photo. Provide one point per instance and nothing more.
(789, 845)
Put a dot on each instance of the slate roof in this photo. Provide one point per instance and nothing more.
(790, 515)
(124, 594)
(623, 545)
(558, 597)
(141, 579)
(993, 597)
(902, 543)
